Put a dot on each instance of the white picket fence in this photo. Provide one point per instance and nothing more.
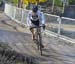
(20, 15)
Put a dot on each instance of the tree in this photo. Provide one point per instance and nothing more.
(72, 2)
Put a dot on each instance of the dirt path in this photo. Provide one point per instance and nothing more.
(56, 51)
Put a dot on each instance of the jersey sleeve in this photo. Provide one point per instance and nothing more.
(42, 18)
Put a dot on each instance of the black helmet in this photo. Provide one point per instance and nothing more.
(35, 8)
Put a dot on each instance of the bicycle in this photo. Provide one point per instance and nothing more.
(38, 39)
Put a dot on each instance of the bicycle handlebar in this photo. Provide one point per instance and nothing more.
(37, 26)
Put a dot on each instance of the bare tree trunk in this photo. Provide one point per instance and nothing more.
(53, 5)
(37, 1)
(63, 7)
(19, 1)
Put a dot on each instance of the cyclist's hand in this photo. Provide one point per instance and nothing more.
(30, 27)
(44, 26)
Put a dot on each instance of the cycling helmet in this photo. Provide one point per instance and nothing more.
(35, 8)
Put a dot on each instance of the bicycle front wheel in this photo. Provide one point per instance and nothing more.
(40, 43)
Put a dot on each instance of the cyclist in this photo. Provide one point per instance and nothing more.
(35, 18)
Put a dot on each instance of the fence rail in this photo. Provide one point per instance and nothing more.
(65, 28)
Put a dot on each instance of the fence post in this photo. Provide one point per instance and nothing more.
(22, 16)
(14, 12)
(59, 25)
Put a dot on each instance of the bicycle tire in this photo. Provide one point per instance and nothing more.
(40, 43)
(37, 40)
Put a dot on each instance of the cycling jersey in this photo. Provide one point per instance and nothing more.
(36, 19)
